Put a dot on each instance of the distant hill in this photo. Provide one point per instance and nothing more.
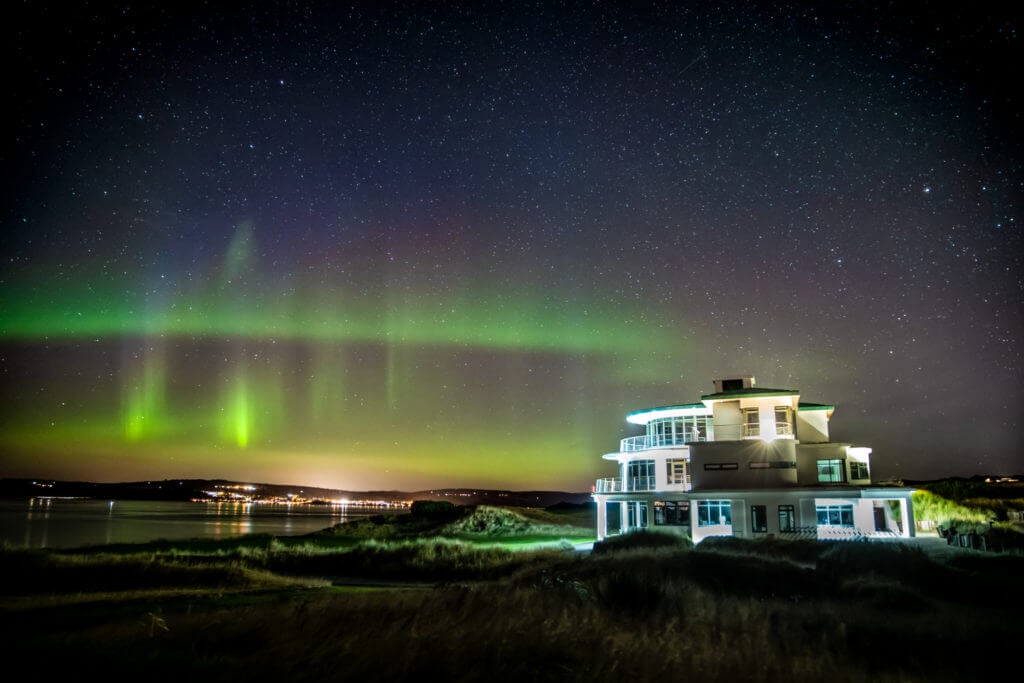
(188, 489)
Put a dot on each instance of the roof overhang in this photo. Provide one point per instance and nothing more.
(642, 417)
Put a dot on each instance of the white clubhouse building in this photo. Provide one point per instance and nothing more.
(748, 462)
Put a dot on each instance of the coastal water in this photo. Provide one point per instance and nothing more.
(76, 522)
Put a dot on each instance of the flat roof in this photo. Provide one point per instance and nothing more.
(647, 414)
(752, 392)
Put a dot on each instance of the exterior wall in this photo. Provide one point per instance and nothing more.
(747, 456)
(660, 456)
(766, 409)
(864, 502)
(728, 421)
(812, 426)
(807, 457)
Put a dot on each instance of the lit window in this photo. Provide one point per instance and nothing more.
(714, 512)
(783, 421)
(676, 471)
(835, 515)
(751, 422)
(787, 518)
(640, 475)
(830, 471)
(671, 513)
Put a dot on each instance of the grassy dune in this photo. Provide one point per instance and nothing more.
(453, 595)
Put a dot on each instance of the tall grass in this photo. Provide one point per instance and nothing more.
(944, 511)
(667, 613)
(644, 607)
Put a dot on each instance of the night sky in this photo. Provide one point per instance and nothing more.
(429, 244)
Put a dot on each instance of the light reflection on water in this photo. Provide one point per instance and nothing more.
(75, 522)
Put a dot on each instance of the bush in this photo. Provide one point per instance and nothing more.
(750, 576)
(799, 550)
(642, 540)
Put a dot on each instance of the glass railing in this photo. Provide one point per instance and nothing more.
(640, 483)
(608, 485)
(616, 485)
(633, 444)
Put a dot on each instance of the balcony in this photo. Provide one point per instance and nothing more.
(634, 444)
(616, 485)
(753, 430)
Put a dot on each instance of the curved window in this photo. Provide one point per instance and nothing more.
(669, 431)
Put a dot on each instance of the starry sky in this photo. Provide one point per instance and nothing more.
(415, 245)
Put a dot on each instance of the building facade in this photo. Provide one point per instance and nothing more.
(748, 462)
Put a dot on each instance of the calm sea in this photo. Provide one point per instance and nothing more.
(75, 522)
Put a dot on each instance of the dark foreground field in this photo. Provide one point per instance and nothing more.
(497, 596)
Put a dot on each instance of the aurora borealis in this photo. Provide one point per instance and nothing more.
(414, 245)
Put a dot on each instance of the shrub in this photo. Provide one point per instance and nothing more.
(751, 575)
(642, 540)
(800, 550)
(932, 506)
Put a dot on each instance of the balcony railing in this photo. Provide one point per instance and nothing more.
(616, 485)
(753, 429)
(640, 484)
(633, 444)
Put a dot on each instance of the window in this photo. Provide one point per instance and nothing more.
(772, 465)
(671, 431)
(714, 512)
(835, 515)
(732, 385)
(636, 515)
(783, 421)
(759, 518)
(787, 518)
(859, 470)
(830, 471)
(640, 475)
(708, 466)
(671, 513)
(751, 422)
(676, 471)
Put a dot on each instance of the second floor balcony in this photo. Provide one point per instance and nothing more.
(644, 442)
(617, 485)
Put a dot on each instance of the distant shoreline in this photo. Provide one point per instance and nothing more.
(220, 489)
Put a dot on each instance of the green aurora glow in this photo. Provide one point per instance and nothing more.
(389, 391)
